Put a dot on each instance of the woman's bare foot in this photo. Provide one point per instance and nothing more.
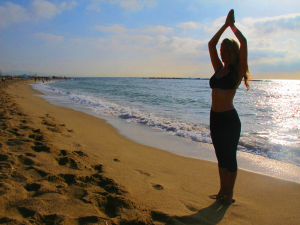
(228, 200)
(222, 194)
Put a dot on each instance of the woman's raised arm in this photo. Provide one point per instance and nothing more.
(212, 47)
(243, 42)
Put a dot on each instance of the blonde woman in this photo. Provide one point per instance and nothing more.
(225, 124)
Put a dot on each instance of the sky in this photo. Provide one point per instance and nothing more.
(144, 38)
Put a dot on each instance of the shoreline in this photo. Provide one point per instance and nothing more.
(143, 184)
(163, 140)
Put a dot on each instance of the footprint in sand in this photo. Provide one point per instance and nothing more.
(54, 129)
(63, 152)
(68, 178)
(143, 173)
(37, 131)
(16, 132)
(3, 157)
(52, 126)
(25, 160)
(68, 162)
(190, 206)
(77, 192)
(99, 168)
(32, 186)
(34, 170)
(4, 164)
(41, 148)
(25, 140)
(159, 216)
(36, 137)
(48, 123)
(24, 127)
(13, 142)
(21, 114)
(157, 187)
(80, 153)
(88, 220)
(6, 220)
(30, 154)
(25, 212)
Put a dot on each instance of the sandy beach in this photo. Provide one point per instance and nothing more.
(60, 166)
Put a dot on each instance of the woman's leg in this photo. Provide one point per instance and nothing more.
(230, 180)
(218, 142)
(232, 136)
(223, 183)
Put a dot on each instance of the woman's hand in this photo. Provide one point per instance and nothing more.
(230, 18)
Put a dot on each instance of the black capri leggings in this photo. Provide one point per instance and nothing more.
(225, 128)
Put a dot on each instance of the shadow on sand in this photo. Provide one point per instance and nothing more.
(211, 215)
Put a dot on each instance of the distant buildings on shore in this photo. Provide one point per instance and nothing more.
(35, 77)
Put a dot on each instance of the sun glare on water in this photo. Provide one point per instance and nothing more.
(282, 98)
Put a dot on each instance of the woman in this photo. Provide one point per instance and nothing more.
(225, 124)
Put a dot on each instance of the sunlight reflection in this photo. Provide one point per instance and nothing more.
(282, 106)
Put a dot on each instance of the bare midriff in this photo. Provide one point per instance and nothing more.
(222, 100)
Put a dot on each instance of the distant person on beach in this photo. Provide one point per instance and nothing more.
(225, 125)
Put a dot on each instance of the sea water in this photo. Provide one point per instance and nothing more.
(178, 109)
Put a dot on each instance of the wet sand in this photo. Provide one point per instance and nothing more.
(60, 166)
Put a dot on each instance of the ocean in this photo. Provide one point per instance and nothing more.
(161, 111)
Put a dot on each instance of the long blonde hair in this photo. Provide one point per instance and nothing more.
(234, 49)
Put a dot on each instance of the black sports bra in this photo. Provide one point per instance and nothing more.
(225, 83)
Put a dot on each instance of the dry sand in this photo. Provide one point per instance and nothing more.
(60, 166)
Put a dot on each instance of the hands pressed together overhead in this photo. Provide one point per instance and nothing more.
(230, 18)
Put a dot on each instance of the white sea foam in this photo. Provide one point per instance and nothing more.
(194, 132)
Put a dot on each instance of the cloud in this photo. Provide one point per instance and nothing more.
(182, 49)
(189, 25)
(291, 43)
(139, 40)
(68, 6)
(271, 25)
(111, 29)
(43, 9)
(215, 25)
(158, 30)
(136, 4)
(261, 43)
(131, 5)
(152, 30)
(11, 13)
(182, 46)
(95, 5)
(49, 38)
(258, 53)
